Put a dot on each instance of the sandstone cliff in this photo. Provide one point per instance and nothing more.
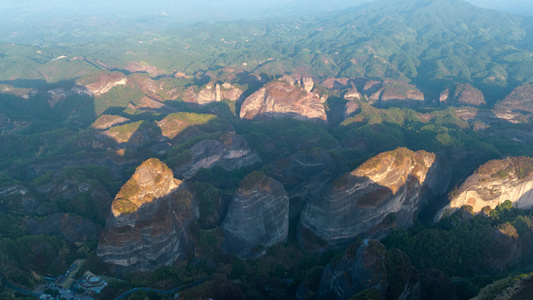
(392, 93)
(520, 99)
(147, 227)
(103, 82)
(384, 192)
(258, 217)
(213, 93)
(284, 99)
(230, 151)
(493, 183)
(368, 271)
(462, 94)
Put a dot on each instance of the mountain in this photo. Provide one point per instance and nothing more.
(147, 227)
(384, 192)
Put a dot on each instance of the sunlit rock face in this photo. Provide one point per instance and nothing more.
(285, 98)
(103, 82)
(258, 217)
(147, 227)
(384, 192)
(493, 183)
(231, 151)
(212, 93)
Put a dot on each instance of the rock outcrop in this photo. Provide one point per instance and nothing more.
(149, 220)
(141, 66)
(520, 100)
(258, 217)
(367, 270)
(107, 121)
(384, 192)
(521, 290)
(213, 93)
(350, 108)
(493, 183)
(230, 151)
(284, 99)
(103, 82)
(392, 93)
(462, 94)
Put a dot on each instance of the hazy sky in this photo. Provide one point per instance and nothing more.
(27, 21)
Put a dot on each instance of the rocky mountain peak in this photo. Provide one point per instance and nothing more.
(148, 225)
(152, 180)
(382, 193)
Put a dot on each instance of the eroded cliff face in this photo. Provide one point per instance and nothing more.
(388, 93)
(520, 99)
(147, 227)
(257, 218)
(285, 98)
(493, 183)
(213, 93)
(103, 82)
(231, 151)
(384, 192)
(462, 94)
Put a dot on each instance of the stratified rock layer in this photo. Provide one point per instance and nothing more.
(230, 152)
(258, 217)
(148, 224)
(384, 192)
(284, 99)
(493, 183)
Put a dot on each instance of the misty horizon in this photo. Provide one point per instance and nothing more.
(38, 21)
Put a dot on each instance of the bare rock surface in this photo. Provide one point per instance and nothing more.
(493, 183)
(149, 220)
(462, 94)
(103, 82)
(231, 151)
(392, 93)
(212, 93)
(258, 217)
(383, 193)
(284, 99)
(520, 99)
